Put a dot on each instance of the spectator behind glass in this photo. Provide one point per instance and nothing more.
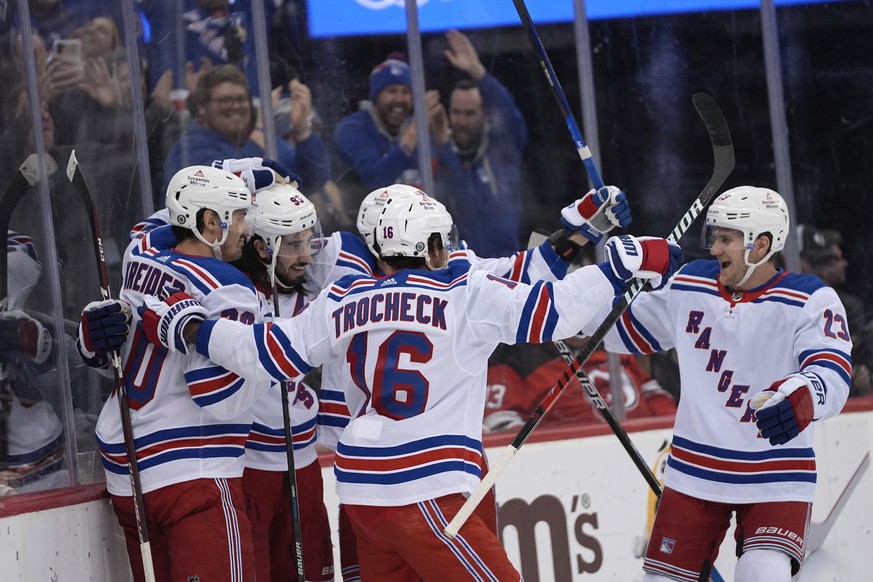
(820, 254)
(214, 32)
(226, 127)
(379, 140)
(480, 177)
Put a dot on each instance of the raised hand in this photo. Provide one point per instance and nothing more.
(462, 55)
(597, 213)
(645, 257)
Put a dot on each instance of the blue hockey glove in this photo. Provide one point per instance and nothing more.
(597, 213)
(103, 327)
(784, 409)
(645, 257)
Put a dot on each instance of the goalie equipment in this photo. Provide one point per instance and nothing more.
(753, 211)
(372, 205)
(197, 188)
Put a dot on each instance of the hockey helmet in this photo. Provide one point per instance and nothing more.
(202, 187)
(371, 208)
(753, 211)
(282, 210)
(407, 222)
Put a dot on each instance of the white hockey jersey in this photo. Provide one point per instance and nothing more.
(415, 346)
(538, 263)
(342, 254)
(730, 347)
(190, 417)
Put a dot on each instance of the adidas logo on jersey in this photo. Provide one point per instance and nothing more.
(389, 281)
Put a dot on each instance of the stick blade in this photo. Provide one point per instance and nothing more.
(30, 169)
(72, 165)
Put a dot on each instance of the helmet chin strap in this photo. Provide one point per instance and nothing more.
(750, 267)
(216, 245)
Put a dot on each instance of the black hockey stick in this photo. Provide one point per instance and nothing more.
(584, 153)
(289, 449)
(74, 173)
(24, 179)
(723, 152)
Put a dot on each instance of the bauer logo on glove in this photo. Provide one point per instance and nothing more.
(164, 321)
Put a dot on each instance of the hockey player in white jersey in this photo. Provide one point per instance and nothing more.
(763, 353)
(416, 344)
(594, 214)
(287, 238)
(302, 276)
(190, 418)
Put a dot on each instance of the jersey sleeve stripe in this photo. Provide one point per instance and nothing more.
(834, 360)
(275, 353)
(354, 262)
(212, 384)
(635, 336)
(196, 274)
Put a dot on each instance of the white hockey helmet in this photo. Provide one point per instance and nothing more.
(753, 211)
(202, 187)
(406, 223)
(371, 208)
(282, 210)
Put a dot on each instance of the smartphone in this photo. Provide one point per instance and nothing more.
(68, 49)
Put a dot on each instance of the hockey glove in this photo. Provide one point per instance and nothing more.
(644, 257)
(784, 409)
(23, 339)
(104, 326)
(164, 321)
(596, 213)
(257, 173)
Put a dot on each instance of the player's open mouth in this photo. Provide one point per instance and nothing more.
(724, 264)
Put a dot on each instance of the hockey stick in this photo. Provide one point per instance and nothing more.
(597, 401)
(584, 153)
(723, 153)
(558, 93)
(74, 173)
(819, 530)
(24, 179)
(289, 448)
